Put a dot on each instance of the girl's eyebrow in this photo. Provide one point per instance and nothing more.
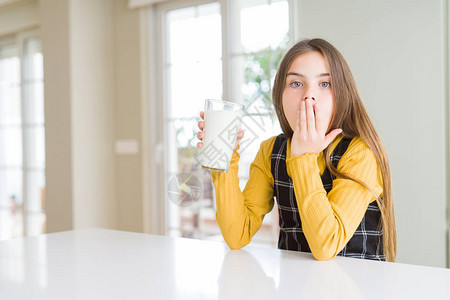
(301, 75)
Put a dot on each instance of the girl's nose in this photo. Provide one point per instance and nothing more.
(310, 97)
(309, 93)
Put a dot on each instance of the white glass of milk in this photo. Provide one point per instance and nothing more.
(222, 122)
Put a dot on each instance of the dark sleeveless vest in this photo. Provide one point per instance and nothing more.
(367, 241)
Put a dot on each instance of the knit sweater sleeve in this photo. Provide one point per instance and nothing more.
(329, 221)
(240, 214)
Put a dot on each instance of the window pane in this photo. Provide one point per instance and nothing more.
(257, 129)
(10, 188)
(263, 25)
(186, 130)
(36, 147)
(35, 191)
(34, 102)
(9, 65)
(259, 74)
(33, 84)
(33, 61)
(11, 146)
(11, 223)
(36, 223)
(194, 34)
(9, 85)
(184, 133)
(172, 150)
(194, 58)
(10, 106)
(190, 85)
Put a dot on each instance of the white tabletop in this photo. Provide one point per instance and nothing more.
(107, 264)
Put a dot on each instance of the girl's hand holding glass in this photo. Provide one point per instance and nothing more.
(201, 134)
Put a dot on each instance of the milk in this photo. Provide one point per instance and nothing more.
(221, 129)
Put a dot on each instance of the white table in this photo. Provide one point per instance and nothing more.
(108, 264)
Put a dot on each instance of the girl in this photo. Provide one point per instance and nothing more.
(328, 169)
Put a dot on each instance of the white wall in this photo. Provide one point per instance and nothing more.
(396, 52)
(92, 105)
(128, 113)
(92, 97)
(58, 116)
(79, 82)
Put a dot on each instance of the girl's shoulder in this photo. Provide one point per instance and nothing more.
(358, 144)
(357, 150)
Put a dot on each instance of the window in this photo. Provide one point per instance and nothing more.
(226, 50)
(22, 149)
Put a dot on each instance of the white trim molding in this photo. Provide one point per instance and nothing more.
(4, 3)
(446, 25)
(18, 18)
(138, 3)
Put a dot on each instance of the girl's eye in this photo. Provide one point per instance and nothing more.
(325, 84)
(296, 84)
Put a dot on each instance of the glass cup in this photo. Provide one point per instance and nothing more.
(222, 122)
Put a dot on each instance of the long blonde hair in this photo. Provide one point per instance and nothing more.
(351, 116)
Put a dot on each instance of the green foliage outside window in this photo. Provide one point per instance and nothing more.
(260, 72)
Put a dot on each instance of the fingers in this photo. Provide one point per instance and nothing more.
(239, 137)
(201, 134)
(240, 134)
(201, 125)
(302, 116)
(310, 119)
(321, 125)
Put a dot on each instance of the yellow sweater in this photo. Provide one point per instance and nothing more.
(328, 221)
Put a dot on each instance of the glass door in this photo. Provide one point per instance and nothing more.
(226, 50)
(193, 72)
